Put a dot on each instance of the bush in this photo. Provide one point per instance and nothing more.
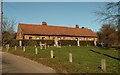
(116, 47)
(104, 45)
(67, 42)
(29, 42)
(74, 43)
(108, 45)
(37, 42)
(84, 43)
(13, 42)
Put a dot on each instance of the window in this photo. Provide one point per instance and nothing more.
(80, 39)
(71, 38)
(59, 38)
(64, 38)
(89, 39)
(53, 38)
(43, 38)
(49, 37)
(30, 37)
(76, 39)
(37, 38)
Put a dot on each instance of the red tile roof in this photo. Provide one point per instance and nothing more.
(55, 30)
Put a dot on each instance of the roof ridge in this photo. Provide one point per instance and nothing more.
(60, 26)
(51, 26)
(28, 24)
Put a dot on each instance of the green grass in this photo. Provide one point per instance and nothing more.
(84, 60)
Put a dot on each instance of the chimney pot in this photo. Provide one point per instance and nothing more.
(83, 27)
(77, 26)
(44, 23)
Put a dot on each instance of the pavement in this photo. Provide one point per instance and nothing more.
(16, 64)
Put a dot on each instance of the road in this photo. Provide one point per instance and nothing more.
(16, 64)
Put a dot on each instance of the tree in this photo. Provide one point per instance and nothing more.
(108, 34)
(111, 15)
(8, 25)
(8, 31)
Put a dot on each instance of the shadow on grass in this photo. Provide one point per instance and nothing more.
(105, 55)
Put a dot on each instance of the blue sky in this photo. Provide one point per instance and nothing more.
(60, 0)
(54, 13)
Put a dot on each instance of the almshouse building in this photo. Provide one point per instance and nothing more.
(56, 33)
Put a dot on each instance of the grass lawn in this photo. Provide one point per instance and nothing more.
(84, 60)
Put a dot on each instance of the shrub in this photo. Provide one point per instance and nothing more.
(67, 42)
(84, 43)
(13, 42)
(60, 42)
(74, 43)
(29, 42)
(37, 42)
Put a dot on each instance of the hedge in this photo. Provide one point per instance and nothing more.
(11, 43)
(60, 42)
(74, 43)
(37, 42)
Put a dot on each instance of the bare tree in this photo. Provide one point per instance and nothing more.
(8, 31)
(110, 14)
(8, 25)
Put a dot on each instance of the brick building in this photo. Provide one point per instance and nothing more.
(56, 33)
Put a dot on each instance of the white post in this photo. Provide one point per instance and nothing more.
(41, 47)
(40, 43)
(36, 51)
(51, 53)
(48, 46)
(20, 43)
(23, 49)
(7, 47)
(56, 42)
(103, 64)
(87, 45)
(35, 46)
(78, 44)
(95, 43)
(69, 45)
(15, 48)
(70, 57)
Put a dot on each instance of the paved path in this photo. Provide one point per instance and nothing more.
(16, 64)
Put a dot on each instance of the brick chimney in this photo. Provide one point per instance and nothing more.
(44, 23)
(76, 26)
